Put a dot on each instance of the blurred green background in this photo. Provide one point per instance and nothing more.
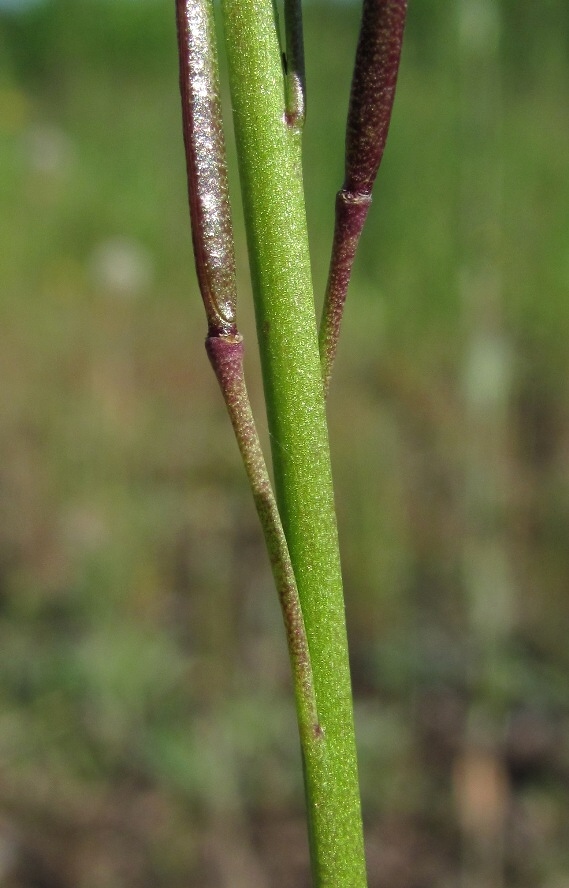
(147, 735)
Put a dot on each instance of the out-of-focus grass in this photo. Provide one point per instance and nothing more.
(144, 686)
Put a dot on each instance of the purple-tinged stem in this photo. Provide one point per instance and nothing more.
(208, 191)
(371, 103)
(226, 355)
(212, 237)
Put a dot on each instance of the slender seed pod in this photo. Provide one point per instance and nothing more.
(208, 191)
(371, 103)
(373, 90)
(294, 65)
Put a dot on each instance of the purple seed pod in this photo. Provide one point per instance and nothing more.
(373, 91)
(210, 212)
(371, 103)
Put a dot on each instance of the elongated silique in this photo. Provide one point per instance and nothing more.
(208, 190)
(373, 91)
(371, 103)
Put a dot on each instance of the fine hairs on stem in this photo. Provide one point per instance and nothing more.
(299, 521)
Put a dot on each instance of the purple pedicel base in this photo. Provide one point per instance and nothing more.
(204, 143)
(226, 356)
(351, 213)
(371, 104)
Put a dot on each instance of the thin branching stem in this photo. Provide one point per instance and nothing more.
(299, 524)
(226, 356)
(214, 252)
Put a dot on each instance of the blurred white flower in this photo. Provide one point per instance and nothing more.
(488, 371)
(20, 5)
(479, 24)
(48, 149)
(122, 267)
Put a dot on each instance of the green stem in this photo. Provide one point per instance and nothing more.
(271, 178)
(215, 264)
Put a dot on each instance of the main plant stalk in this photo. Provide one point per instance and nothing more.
(268, 145)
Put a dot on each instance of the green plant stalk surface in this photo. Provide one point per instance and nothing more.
(269, 153)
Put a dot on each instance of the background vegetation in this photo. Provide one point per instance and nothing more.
(147, 736)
